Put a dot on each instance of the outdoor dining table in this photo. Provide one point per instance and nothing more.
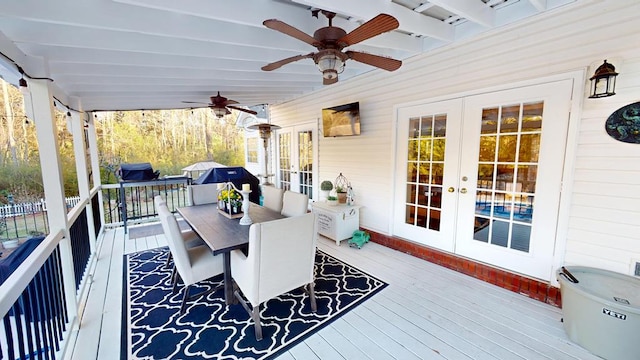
(223, 234)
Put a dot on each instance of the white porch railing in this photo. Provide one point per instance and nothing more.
(38, 300)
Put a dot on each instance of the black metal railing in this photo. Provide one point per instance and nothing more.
(132, 201)
(19, 221)
(97, 220)
(35, 324)
(80, 247)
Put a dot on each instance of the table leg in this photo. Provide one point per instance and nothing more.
(228, 286)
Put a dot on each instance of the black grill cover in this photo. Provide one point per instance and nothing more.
(236, 175)
(137, 172)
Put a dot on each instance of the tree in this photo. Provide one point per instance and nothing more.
(168, 139)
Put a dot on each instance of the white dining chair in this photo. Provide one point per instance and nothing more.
(202, 194)
(272, 197)
(191, 239)
(294, 204)
(192, 264)
(281, 258)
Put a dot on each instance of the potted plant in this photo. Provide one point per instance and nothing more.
(325, 187)
(332, 200)
(230, 202)
(342, 194)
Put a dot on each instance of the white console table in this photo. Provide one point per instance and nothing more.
(337, 222)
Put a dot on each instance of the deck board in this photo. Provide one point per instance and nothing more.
(427, 311)
(112, 312)
(360, 340)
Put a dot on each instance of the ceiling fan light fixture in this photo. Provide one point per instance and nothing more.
(330, 65)
(329, 74)
(219, 112)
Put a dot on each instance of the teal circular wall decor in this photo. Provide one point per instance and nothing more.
(624, 124)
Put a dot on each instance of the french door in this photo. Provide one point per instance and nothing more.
(480, 176)
(429, 148)
(296, 155)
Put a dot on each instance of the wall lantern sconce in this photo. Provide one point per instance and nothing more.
(603, 82)
(22, 83)
(24, 89)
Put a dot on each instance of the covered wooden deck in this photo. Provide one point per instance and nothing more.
(426, 312)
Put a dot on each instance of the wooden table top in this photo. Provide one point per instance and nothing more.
(219, 232)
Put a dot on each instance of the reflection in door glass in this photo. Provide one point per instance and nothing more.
(285, 161)
(507, 172)
(305, 162)
(425, 168)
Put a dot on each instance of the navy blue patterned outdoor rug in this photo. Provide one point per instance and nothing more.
(208, 329)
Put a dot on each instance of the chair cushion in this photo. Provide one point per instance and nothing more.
(203, 194)
(272, 198)
(294, 204)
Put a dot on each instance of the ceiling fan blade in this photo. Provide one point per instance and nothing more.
(241, 109)
(194, 102)
(376, 26)
(326, 81)
(382, 62)
(277, 64)
(229, 101)
(287, 29)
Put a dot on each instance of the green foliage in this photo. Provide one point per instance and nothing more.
(326, 185)
(168, 139)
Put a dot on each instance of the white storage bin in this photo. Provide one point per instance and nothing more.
(337, 222)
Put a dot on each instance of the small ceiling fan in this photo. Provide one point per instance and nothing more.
(330, 41)
(221, 105)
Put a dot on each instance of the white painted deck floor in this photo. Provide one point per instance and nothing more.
(426, 312)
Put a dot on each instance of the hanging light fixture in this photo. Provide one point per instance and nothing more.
(22, 83)
(24, 89)
(220, 111)
(265, 134)
(603, 81)
(330, 63)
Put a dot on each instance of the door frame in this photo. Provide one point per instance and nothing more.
(566, 189)
(442, 238)
(308, 125)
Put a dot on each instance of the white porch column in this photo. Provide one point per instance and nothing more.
(95, 162)
(46, 133)
(80, 151)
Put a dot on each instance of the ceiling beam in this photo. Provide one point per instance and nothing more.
(473, 10)
(410, 21)
(540, 5)
(424, 6)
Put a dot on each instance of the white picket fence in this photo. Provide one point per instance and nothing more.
(7, 211)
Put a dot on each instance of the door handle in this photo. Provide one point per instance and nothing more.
(463, 190)
(451, 189)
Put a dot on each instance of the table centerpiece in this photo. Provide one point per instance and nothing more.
(229, 201)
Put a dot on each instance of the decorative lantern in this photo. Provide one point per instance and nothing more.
(342, 185)
(603, 82)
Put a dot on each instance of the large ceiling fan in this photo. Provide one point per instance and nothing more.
(221, 105)
(330, 41)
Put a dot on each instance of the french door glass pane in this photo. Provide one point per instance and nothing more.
(425, 169)
(305, 162)
(285, 160)
(507, 172)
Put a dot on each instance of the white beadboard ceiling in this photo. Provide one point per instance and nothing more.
(155, 54)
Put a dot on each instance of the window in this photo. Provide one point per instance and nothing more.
(252, 150)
